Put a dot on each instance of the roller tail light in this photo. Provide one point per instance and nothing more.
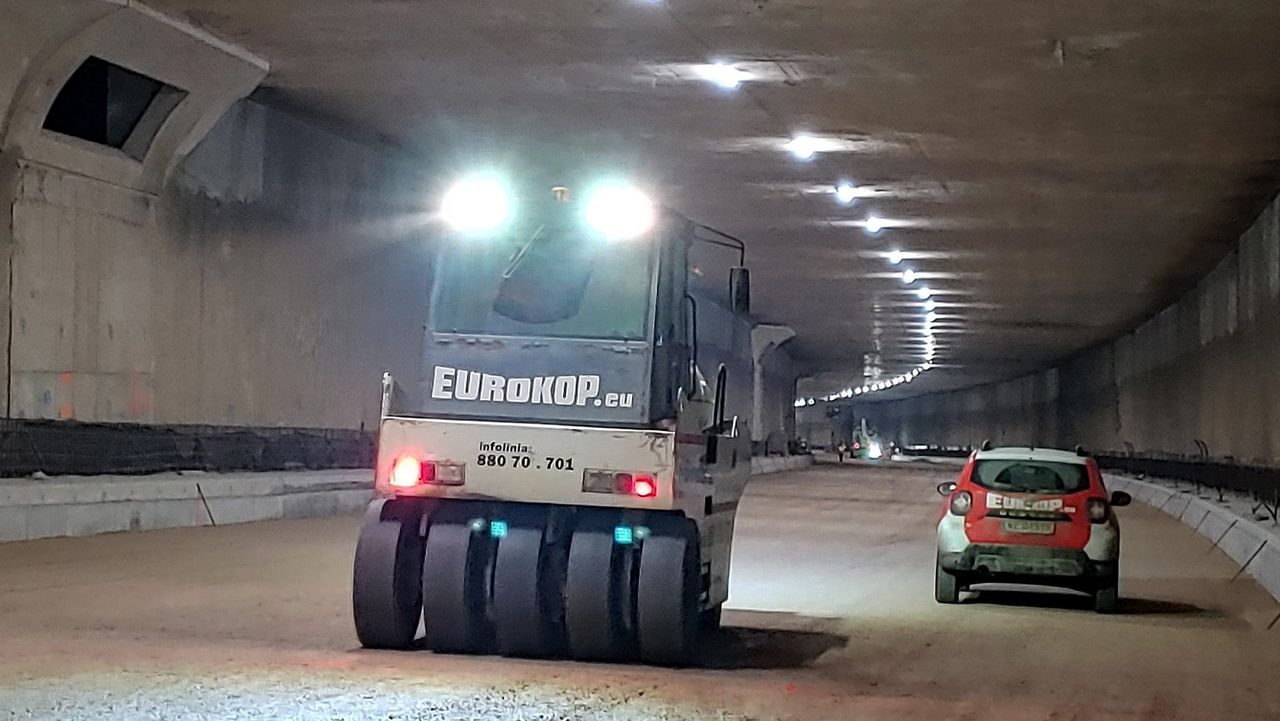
(639, 485)
(409, 471)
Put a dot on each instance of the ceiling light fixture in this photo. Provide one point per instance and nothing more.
(924, 293)
(908, 276)
(873, 224)
(723, 74)
(846, 193)
(803, 147)
(895, 257)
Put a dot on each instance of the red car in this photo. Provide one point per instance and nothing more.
(1029, 516)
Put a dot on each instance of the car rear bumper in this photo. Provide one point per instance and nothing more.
(993, 563)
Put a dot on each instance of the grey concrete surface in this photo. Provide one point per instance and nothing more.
(830, 617)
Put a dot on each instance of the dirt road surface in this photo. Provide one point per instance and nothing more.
(831, 617)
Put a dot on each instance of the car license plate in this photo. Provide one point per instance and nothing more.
(1018, 525)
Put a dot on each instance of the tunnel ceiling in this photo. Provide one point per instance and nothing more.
(1053, 172)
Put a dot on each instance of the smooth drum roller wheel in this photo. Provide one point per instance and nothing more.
(667, 596)
(386, 592)
(598, 608)
(528, 592)
(456, 575)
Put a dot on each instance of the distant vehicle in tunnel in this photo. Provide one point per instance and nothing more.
(866, 443)
(1029, 516)
(567, 483)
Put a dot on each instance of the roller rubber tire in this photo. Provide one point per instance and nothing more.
(456, 578)
(386, 593)
(597, 595)
(667, 597)
(528, 594)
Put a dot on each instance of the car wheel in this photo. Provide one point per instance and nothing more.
(946, 588)
(1106, 598)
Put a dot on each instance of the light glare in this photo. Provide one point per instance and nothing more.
(803, 147)
(873, 224)
(895, 257)
(924, 293)
(619, 212)
(846, 193)
(476, 205)
(723, 74)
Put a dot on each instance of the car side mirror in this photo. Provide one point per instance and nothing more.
(740, 289)
(945, 489)
(1120, 498)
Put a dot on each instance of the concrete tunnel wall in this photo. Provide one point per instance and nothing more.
(255, 268)
(1203, 368)
(265, 276)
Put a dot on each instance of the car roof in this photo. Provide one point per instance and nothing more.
(1031, 454)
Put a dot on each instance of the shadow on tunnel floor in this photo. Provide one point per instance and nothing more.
(769, 640)
(1127, 606)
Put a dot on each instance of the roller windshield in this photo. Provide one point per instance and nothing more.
(551, 284)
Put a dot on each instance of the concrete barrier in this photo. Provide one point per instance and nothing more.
(1253, 546)
(87, 505)
(761, 465)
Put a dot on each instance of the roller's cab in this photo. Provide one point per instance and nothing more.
(572, 475)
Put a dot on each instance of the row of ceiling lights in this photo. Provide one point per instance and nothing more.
(805, 147)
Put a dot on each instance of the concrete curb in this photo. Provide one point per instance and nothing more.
(88, 505)
(1253, 547)
(761, 465)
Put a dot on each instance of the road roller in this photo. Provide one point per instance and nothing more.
(562, 478)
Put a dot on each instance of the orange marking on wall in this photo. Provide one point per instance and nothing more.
(67, 409)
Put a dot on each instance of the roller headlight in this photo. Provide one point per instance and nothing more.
(619, 212)
(475, 205)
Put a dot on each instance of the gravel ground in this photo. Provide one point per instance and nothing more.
(830, 617)
(152, 697)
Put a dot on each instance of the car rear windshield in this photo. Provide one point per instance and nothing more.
(1025, 476)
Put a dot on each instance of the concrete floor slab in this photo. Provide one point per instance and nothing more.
(830, 616)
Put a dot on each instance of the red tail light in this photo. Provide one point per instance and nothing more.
(644, 487)
(961, 503)
(409, 471)
(406, 472)
(1098, 509)
(640, 485)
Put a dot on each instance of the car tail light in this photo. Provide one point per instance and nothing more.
(961, 503)
(640, 485)
(409, 471)
(1099, 510)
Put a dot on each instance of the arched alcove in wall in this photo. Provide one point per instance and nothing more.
(197, 76)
